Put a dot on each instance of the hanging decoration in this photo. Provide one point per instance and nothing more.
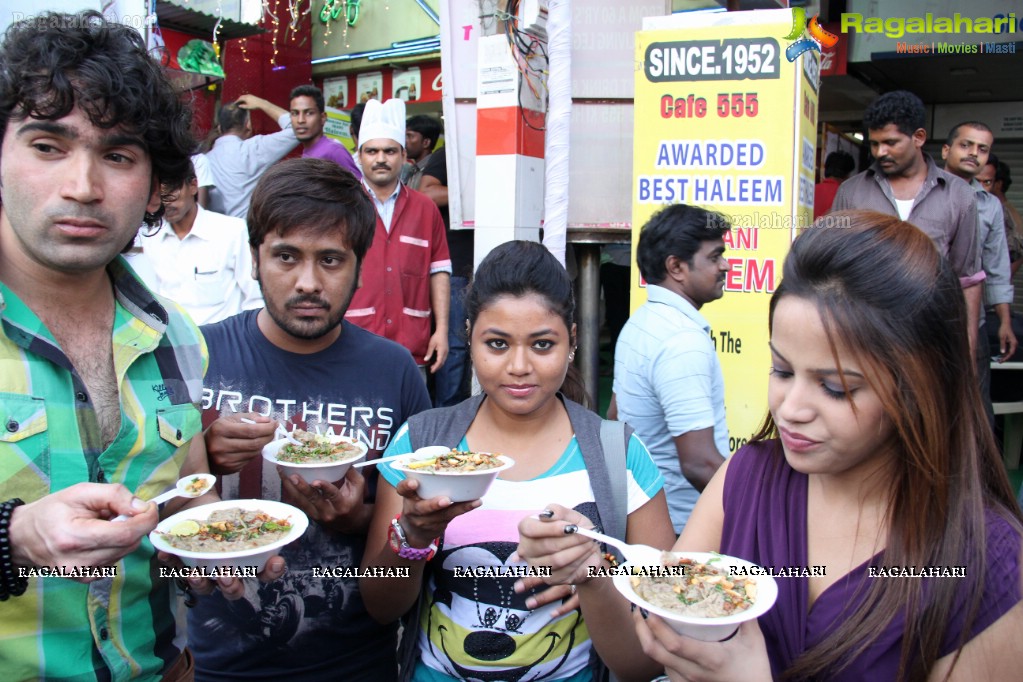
(277, 27)
(199, 56)
(295, 11)
(334, 10)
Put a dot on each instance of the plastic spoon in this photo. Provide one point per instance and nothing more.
(183, 488)
(639, 555)
(421, 453)
(382, 460)
(281, 432)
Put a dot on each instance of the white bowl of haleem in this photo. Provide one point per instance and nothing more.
(703, 595)
(318, 457)
(456, 474)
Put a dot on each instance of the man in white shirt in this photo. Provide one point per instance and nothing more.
(204, 176)
(199, 258)
(239, 158)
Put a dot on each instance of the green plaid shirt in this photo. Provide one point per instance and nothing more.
(121, 627)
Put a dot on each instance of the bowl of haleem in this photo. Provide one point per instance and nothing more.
(458, 475)
(703, 595)
(316, 456)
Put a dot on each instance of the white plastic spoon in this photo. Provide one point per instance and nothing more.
(382, 460)
(421, 453)
(189, 486)
(638, 555)
(281, 432)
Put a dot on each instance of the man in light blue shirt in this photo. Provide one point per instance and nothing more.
(239, 158)
(668, 384)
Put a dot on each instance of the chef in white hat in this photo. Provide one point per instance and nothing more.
(406, 274)
(383, 132)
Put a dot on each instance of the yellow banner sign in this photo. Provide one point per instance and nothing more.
(724, 121)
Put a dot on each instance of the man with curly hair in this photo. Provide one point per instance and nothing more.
(903, 181)
(101, 380)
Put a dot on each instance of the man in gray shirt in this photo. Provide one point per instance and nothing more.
(239, 158)
(965, 153)
(903, 181)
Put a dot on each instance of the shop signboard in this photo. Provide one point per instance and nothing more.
(724, 121)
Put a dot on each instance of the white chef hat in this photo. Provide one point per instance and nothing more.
(385, 120)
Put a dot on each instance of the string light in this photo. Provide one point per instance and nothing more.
(326, 34)
(216, 29)
(277, 27)
(336, 9)
(242, 45)
(294, 12)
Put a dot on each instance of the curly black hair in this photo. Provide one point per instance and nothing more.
(52, 62)
(900, 107)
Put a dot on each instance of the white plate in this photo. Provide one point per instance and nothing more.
(330, 472)
(708, 629)
(256, 556)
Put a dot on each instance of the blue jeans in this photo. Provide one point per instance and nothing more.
(451, 381)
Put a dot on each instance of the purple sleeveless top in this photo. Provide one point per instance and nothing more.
(765, 522)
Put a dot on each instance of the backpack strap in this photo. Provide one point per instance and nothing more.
(614, 442)
(607, 475)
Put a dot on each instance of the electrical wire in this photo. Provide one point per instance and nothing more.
(526, 49)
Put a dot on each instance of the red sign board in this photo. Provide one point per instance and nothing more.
(834, 60)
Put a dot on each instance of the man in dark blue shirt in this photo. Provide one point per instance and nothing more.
(296, 360)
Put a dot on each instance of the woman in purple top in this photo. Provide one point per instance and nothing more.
(875, 461)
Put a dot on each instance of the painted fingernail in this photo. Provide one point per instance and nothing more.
(546, 514)
(571, 528)
(643, 612)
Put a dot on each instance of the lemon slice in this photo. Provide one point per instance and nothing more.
(185, 528)
(421, 463)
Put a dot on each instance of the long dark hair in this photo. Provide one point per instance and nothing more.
(885, 292)
(520, 268)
